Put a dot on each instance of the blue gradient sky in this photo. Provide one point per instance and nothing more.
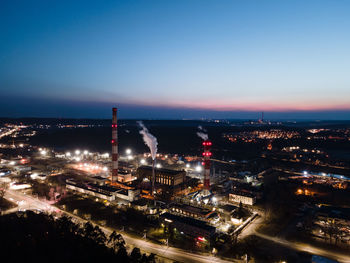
(175, 59)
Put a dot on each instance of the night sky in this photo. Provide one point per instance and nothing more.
(175, 59)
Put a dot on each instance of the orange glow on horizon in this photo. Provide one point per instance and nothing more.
(250, 106)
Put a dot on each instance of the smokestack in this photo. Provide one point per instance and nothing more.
(114, 143)
(207, 155)
(152, 144)
(153, 176)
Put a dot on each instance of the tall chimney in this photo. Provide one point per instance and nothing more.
(207, 155)
(153, 176)
(114, 145)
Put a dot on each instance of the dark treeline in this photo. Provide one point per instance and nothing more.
(31, 237)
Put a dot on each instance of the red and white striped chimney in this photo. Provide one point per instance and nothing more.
(207, 155)
(114, 145)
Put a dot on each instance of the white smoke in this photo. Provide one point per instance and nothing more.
(149, 139)
(202, 133)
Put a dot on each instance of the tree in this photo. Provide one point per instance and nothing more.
(122, 255)
(99, 236)
(332, 231)
(116, 240)
(135, 255)
(88, 230)
(3, 188)
(65, 224)
(240, 211)
(151, 258)
(94, 233)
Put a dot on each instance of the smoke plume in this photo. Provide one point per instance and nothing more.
(149, 139)
(202, 133)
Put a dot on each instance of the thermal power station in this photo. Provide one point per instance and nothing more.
(207, 154)
(114, 143)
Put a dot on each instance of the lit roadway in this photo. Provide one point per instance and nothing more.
(307, 248)
(174, 254)
(251, 229)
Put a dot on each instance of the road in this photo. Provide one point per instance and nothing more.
(307, 248)
(251, 229)
(171, 253)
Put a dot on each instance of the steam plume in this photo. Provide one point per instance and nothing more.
(149, 139)
(202, 133)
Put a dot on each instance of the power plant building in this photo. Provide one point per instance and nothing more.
(162, 176)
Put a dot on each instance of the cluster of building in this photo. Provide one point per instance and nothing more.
(308, 179)
(253, 136)
(327, 134)
(196, 211)
(332, 224)
(99, 189)
(189, 202)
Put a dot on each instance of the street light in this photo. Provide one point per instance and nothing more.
(128, 151)
(43, 152)
(198, 168)
(86, 152)
(77, 152)
(68, 154)
(143, 161)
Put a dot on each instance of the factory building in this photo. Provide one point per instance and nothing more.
(124, 176)
(93, 191)
(162, 176)
(189, 226)
(190, 211)
(242, 197)
(103, 191)
(229, 213)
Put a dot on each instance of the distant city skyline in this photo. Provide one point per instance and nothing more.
(175, 59)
